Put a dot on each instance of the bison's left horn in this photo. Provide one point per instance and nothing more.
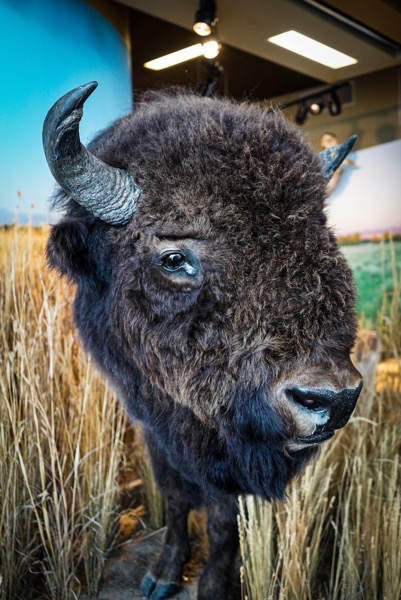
(331, 158)
(107, 192)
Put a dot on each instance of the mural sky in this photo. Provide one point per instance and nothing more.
(367, 199)
(48, 48)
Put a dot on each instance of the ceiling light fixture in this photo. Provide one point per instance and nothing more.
(316, 102)
(209, 49)
(205, 17)
(175, 58)
(205, 20)
(316, 107)
(312, 49)
(334, 104)
(301, 114)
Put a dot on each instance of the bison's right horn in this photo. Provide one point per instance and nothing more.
(107, 192)
(331, 158)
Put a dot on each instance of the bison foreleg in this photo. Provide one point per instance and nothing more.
(163, 579)
(222, 531)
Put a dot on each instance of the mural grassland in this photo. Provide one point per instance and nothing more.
(62, 449)
(375, 269)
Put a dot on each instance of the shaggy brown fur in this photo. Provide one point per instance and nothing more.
(204, 361)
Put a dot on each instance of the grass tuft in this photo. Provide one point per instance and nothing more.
(61, 435)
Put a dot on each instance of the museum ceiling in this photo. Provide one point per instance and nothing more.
(254, 67)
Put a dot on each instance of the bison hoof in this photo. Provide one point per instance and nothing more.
(156, 590)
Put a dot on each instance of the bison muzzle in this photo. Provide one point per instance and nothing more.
(212, 294)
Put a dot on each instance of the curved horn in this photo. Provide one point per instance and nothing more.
(331, 158)
(107, 192)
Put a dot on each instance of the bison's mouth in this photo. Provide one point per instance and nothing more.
(316, 438)
(310, 441)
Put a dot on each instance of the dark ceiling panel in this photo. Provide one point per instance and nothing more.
(245, 75)
(384, 18)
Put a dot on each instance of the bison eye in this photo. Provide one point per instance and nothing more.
(179, 262)
(171, 261)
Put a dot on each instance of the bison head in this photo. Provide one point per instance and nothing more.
(209, 288)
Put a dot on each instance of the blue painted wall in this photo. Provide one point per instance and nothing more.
(48, 47)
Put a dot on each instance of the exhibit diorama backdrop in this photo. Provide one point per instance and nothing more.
(364, 210)
(47, 49)
(367, 198)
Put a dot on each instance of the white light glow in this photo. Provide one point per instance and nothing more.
(202, 28)
(309, 48)
(175, 58)
(211, 49)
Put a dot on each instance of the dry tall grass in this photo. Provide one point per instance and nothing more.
(61, 436)
(338, 535)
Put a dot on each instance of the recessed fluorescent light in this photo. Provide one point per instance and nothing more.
(306, 46)
(169, 60)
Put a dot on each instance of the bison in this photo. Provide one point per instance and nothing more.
(212, 295)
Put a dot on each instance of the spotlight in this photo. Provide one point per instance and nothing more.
(317, 101)
(205, 17)
(302, 113)
(211, 48)
(334, 104)
(316, 107)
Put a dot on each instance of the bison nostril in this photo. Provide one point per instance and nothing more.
(313, 398)
(322, 398)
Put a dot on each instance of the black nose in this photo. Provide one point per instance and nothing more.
(338, 404)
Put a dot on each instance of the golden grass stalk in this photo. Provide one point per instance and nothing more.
(258, 549)
(61, 437)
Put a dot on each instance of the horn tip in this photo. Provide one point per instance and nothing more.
(351, 140)
(74, 98)
(86, 89)
(80, 94)
(64, 106)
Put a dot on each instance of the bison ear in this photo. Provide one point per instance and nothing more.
(67, 249)
(331, 158)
